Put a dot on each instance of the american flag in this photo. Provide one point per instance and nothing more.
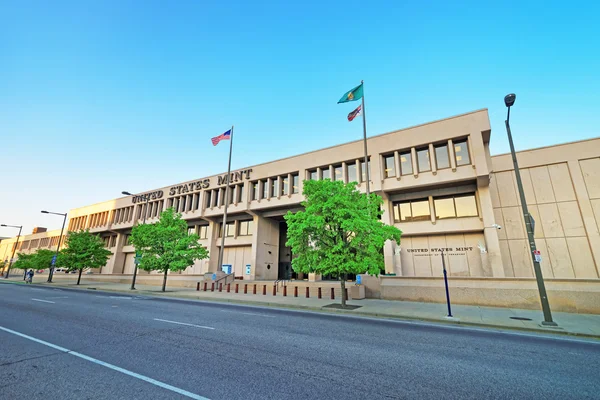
(355, 113)
(223, 136)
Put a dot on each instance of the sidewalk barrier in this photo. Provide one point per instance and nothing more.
(284, 291)
(236, 287)
(346, 293)
(332, 294)
(246, 288)
(220, 287)
(254, 290)
(319, 293)
(198, 287)
(295, 291)
(228, 287)
(205, 286)
(274, 290)
(264, 290)
(212, 287)
(307, 292)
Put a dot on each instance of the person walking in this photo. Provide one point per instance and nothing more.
(30, 274)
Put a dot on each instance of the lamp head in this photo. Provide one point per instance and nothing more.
(127, 193)
(3, 225)
(45, 212)
(509, 99)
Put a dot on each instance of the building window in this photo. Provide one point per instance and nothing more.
(415, 210)
(423, 160)
(274, 185)
(461, 151)
(312, 175)
(444, 208)
(230, 194)
(295, 183)
(128, 239)
(191, 230)
(203, 231)
(208, 198)
(113, 241)
(466, 206)
(406, 167)
(337, 172)
(245, 228)
(325, 173)
(363, 172)
(230, 228)
(390, 166)
(285, 185)
(442, 159)
(255, 191)
(265, 189)
(351, 170)
(240, 193)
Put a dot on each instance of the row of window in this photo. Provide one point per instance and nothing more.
(245, 228)
(457, 206)
(35, 243)
(336, 172)
(442, 159)
(267, 188)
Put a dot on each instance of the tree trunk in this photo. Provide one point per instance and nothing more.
(79, 277)
(343, 285)
(165, 280)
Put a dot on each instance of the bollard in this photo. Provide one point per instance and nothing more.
(212, 287)
(220, 287)
(295, 291)
(319, 293)
(284, 291)
(264, 290)
(246, 288)
(254, 290)
(205, 286)
(236, 287)
(307, 292)
(274, 290)
(228, 287)
(332, 294)
(198, 287)
(346, 293)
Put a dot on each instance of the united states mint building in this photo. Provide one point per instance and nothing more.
(441, 187)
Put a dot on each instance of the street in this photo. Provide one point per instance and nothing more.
(71, 344)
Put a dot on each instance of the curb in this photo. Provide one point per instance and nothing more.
(171, 296)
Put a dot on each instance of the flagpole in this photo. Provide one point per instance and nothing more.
(224, 227)
(364, 115)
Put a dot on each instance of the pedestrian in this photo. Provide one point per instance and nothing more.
(30, 274)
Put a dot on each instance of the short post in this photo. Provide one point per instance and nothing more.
(307, 292)
(198, 287)
(346, 293)
(205, 286)
(319, 293)
(274, 290)
(221, 287)
(212, 287)
(237, 287)
(264, 290)
(332, 294)
(295, 291)
(245, 288)
(284, 291)
(446, 283)
(254, 290)
(228, 287)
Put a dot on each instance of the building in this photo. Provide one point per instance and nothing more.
(440, 186)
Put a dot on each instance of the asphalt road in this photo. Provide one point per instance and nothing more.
(119, 347)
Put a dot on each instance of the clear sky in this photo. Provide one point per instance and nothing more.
(97, 97)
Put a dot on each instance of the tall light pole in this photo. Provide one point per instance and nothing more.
(51, 273)
(14, 248)
(509, 100)
(146, 199)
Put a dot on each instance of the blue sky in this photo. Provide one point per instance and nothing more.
(97, 97)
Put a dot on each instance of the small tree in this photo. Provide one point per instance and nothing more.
(42, 258)
(339, 232)
(24, 262)
(166, 245)
(83, 250)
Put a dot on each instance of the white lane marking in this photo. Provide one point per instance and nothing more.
(36, 289)
(183, 323)
(249, 313)
(119, 297)
(44, 301)
(60, 297)
(110, 366)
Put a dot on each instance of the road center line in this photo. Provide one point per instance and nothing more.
(259, 315)
(183, 323)
(44, 301)
(110, 366)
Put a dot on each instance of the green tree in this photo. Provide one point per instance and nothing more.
(24, 262)
(339, 232)
(83, 250)
(166, 245)
(42, 258)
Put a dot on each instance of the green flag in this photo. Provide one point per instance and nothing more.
(352, 95)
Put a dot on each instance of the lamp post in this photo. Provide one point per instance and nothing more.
(146, 199)
(14, 248)
(509, 100)
(51, 273)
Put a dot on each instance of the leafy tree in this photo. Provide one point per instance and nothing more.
(24, 262)
(83, 250)
(339, 232)
(166, 245)
(42, 258)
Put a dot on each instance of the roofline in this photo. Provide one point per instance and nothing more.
(549, 146)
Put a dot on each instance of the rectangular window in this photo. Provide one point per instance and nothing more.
(245, 228)
(444, 208)
(406, 167)
(265, 191)
(337, 172)
(113, 241)
(231, 193)
(229, 229)
(461, 151)
(423, 159)
(183, 199)
(363, 172)
(390, 166)
(295, 183)
(191, 230)
(351, 170)
(240, 193)
(312, 175)
(128, 240)
(285, 185)
(420, 210)
(325, 173)
(203, 231)
(255, 191)
(208, 198)
(466, 206)
(274, 185)
(442, 159)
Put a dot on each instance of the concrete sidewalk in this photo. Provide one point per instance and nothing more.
(587, 325)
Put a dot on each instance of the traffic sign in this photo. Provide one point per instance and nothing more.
(53, 260)
(538, 256)
(138, 257)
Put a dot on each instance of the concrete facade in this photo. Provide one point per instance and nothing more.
(440, 186)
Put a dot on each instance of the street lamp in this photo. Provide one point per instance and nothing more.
(14, 248)
(146, 199)
(509, 100)
(51, 274)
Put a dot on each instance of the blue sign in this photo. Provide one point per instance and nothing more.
(248, 268)
(214, 277)
(53, 260)
(226, 268)
(138, 257)
(358, 279)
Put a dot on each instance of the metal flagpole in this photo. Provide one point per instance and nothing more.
(224, 227)
(364, 115)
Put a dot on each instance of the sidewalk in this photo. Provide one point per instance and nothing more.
(587, 325)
